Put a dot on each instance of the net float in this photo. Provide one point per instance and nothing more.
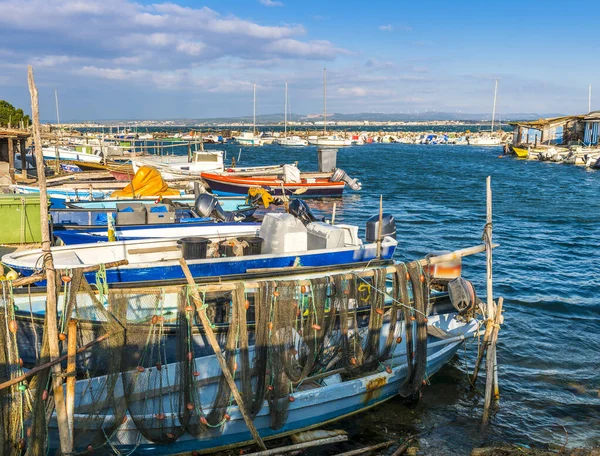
(270, 326)
(170, 435)
(388, 369)
(275, 293)
(353, 361)
(196, 374)
(140, 369)
(159, 416)
(66, 279)
(203, 420)
(158, 367)
(13, 327)
(22, 444)
(247, 304)
(407, 276)
(190, 406)
(154, 319)
(303, 289)
(190, 356)
(422, 278)
(379, 311)
(270, 387)
(189, 309)
(227, 417)
(45, 395)
(90, 448)
(291, 398)
(62, 336)
(316, 327)
(398, 340)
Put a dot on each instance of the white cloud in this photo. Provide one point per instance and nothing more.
(386, 28)
(270, 3)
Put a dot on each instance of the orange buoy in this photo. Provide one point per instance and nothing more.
(424, 382)
(235, 367)
(270, 387)
(398, 340)
(303, 289)
(189, 308)
(407, 276)
(379, 311)
(291, 398)
(425, 319)
(353, 361)
(388, 369)
(140, 369)
(227, 417)
(66, 279)
(422, 278)
(247, 304)
(270, 326)
(316, 327)
(412, 318)
(13, 327)
(275, 293)
(62, 336)
(203, 420)
(154, 319)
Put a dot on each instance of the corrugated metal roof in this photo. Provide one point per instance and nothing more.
(594, 115)
(541, 123)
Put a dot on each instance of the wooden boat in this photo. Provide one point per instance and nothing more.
(68, 153)
(235, 185)
(154, 260)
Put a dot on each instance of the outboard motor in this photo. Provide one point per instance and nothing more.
(340, 175)
(462, 295)
(299, 209)
(388, 227)
(207, 205)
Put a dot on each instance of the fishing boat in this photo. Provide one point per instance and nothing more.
(204, 227)
(286, 243)
(487, 139)
(228, 203)
(223, 184)
(178, 167)
(69, 153)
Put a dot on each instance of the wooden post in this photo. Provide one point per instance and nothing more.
(66, 442)
(22, 149)
(488, 248)
(71, 372)
(490, 366)
(56, 158)
(11, 160)
(333, 214)
(210, 335)
(189, 152)
(380, 228)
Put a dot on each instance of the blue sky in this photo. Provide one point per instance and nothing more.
(120, 59)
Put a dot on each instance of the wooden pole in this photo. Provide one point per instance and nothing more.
(210, 335)
(333, 214)
(11, 160)
(66, 442)
(367, 449)
(300, 446)
(56, 158)
(71, 367)
(488, 250)
(23, 159)
(379, 226)
(41, 367)
(490, 366)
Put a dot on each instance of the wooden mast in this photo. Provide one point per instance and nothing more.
(324, 101)
(65, 437)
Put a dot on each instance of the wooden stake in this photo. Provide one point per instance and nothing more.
(23, 159)
(333, 214)
(380, 228)
(11, 160)
(210, 335)
(488, 250)
(71, 368)
(367, 449)
(490, 366)
(66, 442)
(481, 354)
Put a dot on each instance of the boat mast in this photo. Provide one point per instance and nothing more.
(57, 114)
(285, 111)
(254, 113)
(494, 110)
(324, 101)
(590, 99)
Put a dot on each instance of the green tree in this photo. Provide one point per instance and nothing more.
(8, 114)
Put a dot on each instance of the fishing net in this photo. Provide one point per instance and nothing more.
(145, 368)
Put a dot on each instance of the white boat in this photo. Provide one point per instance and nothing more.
(250, 138)
(329, 141)
(176, 166)
(325, 140)
(487, 139)
(213, 139)
(69, 153)
(295, 141)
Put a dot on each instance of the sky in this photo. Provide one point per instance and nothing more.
(121, 59)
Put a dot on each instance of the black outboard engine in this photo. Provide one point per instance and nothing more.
(462, 295)
(388, 227)
(207, 205)
(299, 209)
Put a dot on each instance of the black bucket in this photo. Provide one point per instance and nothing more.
(254, 246)
(193, 247)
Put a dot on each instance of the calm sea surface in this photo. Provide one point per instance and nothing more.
(547, 220)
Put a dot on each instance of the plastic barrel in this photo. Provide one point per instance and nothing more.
(194, 247)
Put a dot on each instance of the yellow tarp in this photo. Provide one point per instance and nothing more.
(146, 182)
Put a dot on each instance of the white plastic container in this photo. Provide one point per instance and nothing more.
(324, 236)
(350, 234)
(283, 233)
